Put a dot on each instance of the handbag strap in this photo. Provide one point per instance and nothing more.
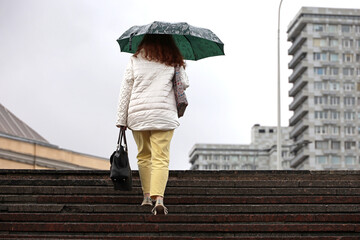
(120, 138)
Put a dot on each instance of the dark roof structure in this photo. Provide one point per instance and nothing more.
(13, 126)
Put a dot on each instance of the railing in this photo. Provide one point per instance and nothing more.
(299, 98)
(298, 85)
(297, 44)
(298, 70)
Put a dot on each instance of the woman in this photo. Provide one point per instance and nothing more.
(147, 107)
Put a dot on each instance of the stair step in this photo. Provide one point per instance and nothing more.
(164, 227)
(191, 183)
(233, 208)
(190, 175)
(86, 190)
(133, 199)
(181, 218)
(286, 236)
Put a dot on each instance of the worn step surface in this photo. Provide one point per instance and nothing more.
(44, 204)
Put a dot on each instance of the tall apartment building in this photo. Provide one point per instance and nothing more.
(260, 154)
(326, 88)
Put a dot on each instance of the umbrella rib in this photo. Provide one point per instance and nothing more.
(191, 47)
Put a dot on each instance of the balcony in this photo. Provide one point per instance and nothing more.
(299, 99)
(300, 54)
(300, 157)
(300, 127)
(298, 85)
(299, 113)
(300, 68)
(297, 44)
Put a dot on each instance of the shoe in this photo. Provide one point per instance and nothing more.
(159, 208)
(147, 201)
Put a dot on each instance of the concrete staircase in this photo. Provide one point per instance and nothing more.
(43, 204)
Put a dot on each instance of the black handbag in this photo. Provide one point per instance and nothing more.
(120, 171)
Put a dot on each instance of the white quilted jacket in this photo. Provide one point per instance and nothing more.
(147, 100)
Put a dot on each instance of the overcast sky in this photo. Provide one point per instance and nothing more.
(61, 68)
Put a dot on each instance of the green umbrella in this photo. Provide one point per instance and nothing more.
(194, 43)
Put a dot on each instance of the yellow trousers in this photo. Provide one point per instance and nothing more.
(153, 160)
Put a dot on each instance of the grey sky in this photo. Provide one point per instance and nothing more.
(61, 68)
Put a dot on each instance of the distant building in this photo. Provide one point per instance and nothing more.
(259, 155)
(23, 148)
(326, 88)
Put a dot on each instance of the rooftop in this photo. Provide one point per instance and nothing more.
(13, 126)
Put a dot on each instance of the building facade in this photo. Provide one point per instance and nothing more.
(259, 155)
(21, 147)
(326, 86)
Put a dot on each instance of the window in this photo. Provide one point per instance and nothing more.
(319, 42)
(349, 131)
(320, 130)
(347, 43)
(349, 101)
(349, 86)
(332, 28)
(349, 160)
(334, 100)
(319, 70)
(345, 28)
(207, 157)
(334, 57)
(334, 130)
(357, 57)
(335, 145)
(321, 145)
(357, 29)
(319, 85)
(320, 56)
(357, 71)
(321, 115)
(334, 86)
(334, 71)
(226, 157)
(347, 57)
(335, 160)
(334, 115)
(349, 115)
(358, 43)
(234, 157)
(261, 130)
(318, 28)
(319, 100)
(321, 159)
(334, 43)
(348, 71)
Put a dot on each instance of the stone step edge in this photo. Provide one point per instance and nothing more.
(164, 227)
(190, 209)
(135, 199)
(190, 183)
(182, 237)
(181, 218)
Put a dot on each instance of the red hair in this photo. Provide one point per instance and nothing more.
(160, 48)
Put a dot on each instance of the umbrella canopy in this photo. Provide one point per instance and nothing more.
(194, 43)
